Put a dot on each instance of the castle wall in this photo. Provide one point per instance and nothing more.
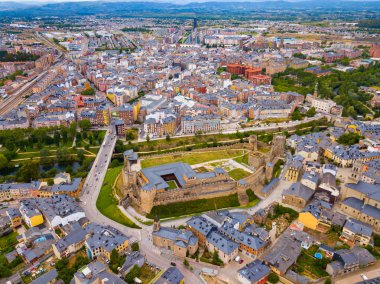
(203, 191)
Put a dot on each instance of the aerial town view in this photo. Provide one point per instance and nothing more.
(171, 142)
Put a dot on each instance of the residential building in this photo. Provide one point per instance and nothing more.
(103, 239)
(172, 275)
(96, 272)
(360, 201)
(356, 233)
(226, 248)
(345, 261)
(49, 277)
(15, 217)
(297, 195)
(253, 273)
(182, 242)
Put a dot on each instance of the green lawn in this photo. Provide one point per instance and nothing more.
(238, 174)
(194, 206)
(277, 168)
(107, 203)
(242, 159)
(252, 199)
(7, 242)
(148, 273)
(172, 184)
(307, 264)
(191, 158)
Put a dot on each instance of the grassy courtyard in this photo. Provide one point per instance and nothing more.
(242, 159)
(172, 184)
(194, 206)
(107, 203)
(191, 158)
(238, 174)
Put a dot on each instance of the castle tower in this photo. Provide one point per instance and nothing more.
(146, 199)
(278, 147)
(269, 171)
(252, 140)
(156, 224)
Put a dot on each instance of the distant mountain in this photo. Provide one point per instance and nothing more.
(11, 6)
(120, 8)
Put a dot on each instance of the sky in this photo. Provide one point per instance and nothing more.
(170, 1)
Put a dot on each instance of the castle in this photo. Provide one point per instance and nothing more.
(178, 182)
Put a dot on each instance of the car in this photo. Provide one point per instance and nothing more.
(364, 277)
(173, 264)
(241, 261)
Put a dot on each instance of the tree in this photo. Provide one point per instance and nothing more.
(129, 136)
(80, 154)
(63, 155)
(3, 162)
(376, 240)
(29, 171)
(186, 262)
(84, 124)
(44, 156)
(73, 129)
(296, 115)
(349, 138)
(328, 281)
(88, 92)
(310, 112)
(64, 134)
(135, 246)
(147, 138)
(135, 272)
(57, 138)
(167, 137)
(115, 260)
(273, 278)
(216, 259)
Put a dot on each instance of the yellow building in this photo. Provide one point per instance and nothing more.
(136, 110)
(34, 220)
(293, 171)
(31, 215)
(308, 220)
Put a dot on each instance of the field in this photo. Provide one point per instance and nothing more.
(191, 158)
(238, 174)
(194, 206)
(107, 203)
